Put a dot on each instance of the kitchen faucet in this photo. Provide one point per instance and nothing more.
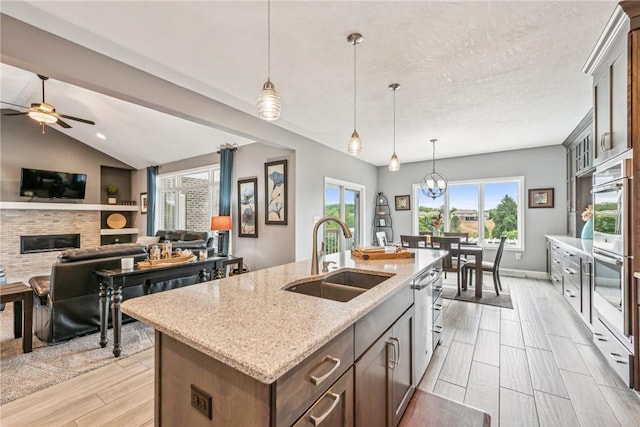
(314, 254)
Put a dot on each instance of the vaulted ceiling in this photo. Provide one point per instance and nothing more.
(479, 76)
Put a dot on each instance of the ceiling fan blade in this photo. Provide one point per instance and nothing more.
(76, 119)
(63, 124)
(15, 105)
(16, 114)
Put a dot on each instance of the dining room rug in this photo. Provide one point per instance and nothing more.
(48, 364)
(489, 297)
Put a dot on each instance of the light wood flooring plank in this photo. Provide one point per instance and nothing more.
(140, 415)
(457, 364)
(517, 409)
(599, 368)
(554, 411)
(127, 385)
(514, 370)
(545, 375)
(534, 336)
(450, 391)
(128, 400)
(483, 390)
(508, 313)
(625, 405)
(141, 357)
(487, 348)
(490, 319)
(467, 329)
(567, 356)
(58, 416)
(433, 370)
(511, 333)
(590, 405)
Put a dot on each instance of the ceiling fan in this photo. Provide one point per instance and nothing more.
(45, 113)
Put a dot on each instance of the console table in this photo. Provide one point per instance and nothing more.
(20, 295)
(115, 280)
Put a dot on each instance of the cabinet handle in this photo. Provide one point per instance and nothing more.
(566, 270)
(336, 399)
(602, 146)
(556, 261)
(437, 307)
(568, 253)
(317, 380)
(397, 342)
(615, 356)
(570, 293)
(437, 288)
(392, 362)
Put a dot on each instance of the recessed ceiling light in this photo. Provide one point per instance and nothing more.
(100, 135)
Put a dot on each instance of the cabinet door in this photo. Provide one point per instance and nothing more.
(371, 407)
(334, 408)
(602, 117)
(401, 366)
(618, 70)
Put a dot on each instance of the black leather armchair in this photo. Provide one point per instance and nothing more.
(185, 239)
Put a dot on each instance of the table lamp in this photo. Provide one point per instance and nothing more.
(221, 224)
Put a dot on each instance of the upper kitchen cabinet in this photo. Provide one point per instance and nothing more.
(610, 64)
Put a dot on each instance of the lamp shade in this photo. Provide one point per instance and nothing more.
(41, 117)
(221, 223)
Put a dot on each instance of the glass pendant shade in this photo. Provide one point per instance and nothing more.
(269, 102)
(394, 163)
(355, 145)
(434, 184)
(41, 117)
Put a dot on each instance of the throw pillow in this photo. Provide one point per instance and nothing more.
(148, 240)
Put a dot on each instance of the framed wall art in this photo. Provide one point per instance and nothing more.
(275, 192)
(541, 198)
(248, 207)
(143, 203)
(403, 203)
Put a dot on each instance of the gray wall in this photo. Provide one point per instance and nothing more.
(24, 145)
(541, 167)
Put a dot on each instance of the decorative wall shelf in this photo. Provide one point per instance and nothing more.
(117, 231)
(67, 206)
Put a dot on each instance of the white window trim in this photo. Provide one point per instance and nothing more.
(363, 202)
(520, 200)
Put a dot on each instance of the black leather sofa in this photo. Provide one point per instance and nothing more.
(66, 303)
(185, 239)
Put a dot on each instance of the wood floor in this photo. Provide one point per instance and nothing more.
(531, 366)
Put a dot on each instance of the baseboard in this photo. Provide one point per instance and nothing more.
(510, 272)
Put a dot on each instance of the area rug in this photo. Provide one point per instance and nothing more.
(22, 374)
(488, 298)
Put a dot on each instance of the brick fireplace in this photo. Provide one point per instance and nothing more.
(28, 222)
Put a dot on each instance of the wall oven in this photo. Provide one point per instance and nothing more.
(612, 276)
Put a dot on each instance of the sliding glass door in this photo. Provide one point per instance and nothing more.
(342, 200)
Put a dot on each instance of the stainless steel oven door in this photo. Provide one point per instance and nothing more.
(611, 292)
(610, 216)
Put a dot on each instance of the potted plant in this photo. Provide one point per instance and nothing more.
(112, 192)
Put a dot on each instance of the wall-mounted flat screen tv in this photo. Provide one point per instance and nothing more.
(43, 184)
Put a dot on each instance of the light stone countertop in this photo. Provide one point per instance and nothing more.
(581, 245)
(249, 323)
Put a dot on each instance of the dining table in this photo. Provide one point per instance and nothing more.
(469, 249)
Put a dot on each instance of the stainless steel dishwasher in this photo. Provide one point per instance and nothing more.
(427, 291)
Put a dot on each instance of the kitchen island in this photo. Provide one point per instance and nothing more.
(227, 350)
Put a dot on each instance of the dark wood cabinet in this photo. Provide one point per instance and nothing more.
(334, 408)
(384, 376)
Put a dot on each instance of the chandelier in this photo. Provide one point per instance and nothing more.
(434, 184)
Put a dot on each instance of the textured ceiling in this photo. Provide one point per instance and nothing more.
(479, 76)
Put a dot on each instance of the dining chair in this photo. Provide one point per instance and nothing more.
(413, 242)
(453, 262)
(493, 267)
(464, 237)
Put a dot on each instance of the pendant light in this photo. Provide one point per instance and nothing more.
(269, 101)
(355, 145)
(434, 184)
(394, 163)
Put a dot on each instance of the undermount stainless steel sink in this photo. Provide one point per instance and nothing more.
(341, 285)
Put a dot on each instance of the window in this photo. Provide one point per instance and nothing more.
(486, 209)
(342, 200)
(188, 199)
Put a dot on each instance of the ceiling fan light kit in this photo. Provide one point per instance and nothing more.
(45, 114)
(268, 101)
(394, 162)
(434, 184)
(355, 143)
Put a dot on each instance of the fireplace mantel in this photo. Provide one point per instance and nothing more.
(66, 206)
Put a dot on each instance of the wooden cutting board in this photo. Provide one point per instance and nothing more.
(379, 253)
